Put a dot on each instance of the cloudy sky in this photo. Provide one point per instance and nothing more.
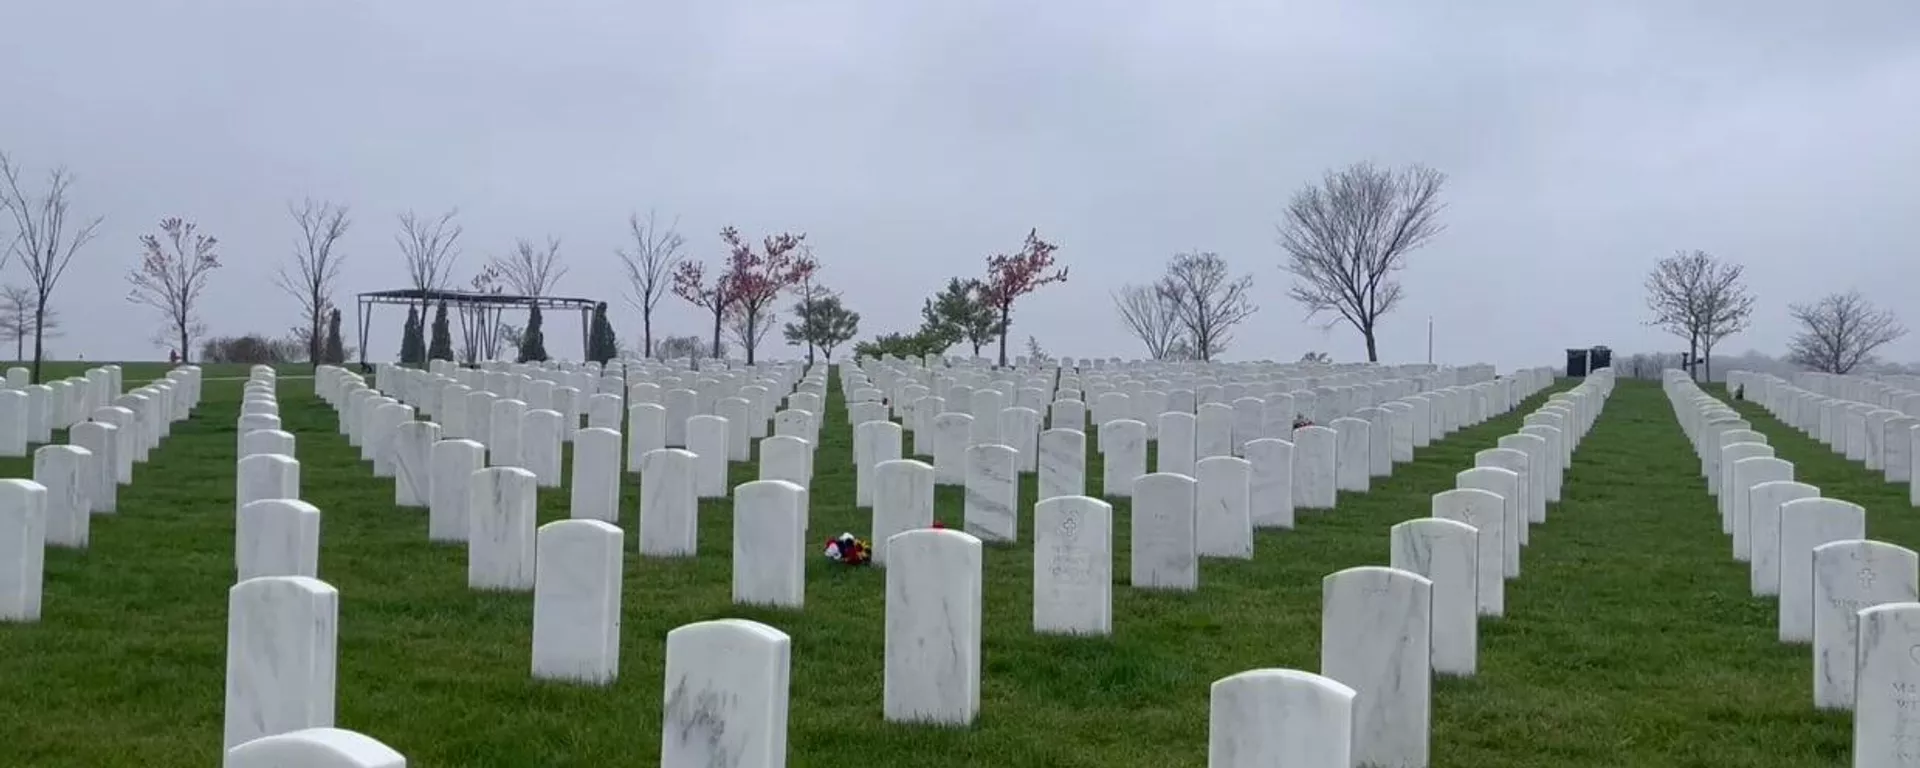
(909, 140)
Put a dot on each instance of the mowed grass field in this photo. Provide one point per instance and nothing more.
(1629, 639)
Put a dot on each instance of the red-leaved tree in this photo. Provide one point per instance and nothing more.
(690, 283)
(755, 280)
(171, 275)
(1010, 277)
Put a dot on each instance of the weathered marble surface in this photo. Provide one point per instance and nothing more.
(770, 549)
(1073, 566)
(1541, 464)
(67, 473)
(1164, 541)
(1849, 576)
(281, 635)
(1123, 451)
(576, 601)
(541, 433)
(1517, 462)
(707, 439)
(1504, 483)
(1743, 476)
(1723, 471)
(1063, 463)
(500, 529)
(932, 664)
(1270, 486)
(951, 434)
(1176, 448)
(902, 501)
(1263, 718)
(1375, 637)
(669, 503)
(1447, 553)
(1886, 723)
(1485, 512)
(314, 748)
(1223, 507)
(646, 431)
(103, 484)
(991, 510)
(413, 463)
(277, 537)
(1353, 467)
(505, 424)
(1315, 467)
(726, 695)
(789, 458)
(1805, 524)
(23, 536)
(454, 462)
(873, 442)
(595, 491)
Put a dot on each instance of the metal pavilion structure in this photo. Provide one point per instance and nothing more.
(479, 313)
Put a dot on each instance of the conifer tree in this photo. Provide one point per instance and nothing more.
(442, 346)
(533, 344)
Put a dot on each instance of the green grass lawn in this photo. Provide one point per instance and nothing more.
(1629, 640)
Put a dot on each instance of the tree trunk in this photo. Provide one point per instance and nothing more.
(1005, 326)
(646, 332)
(753, 325)
(1693, 357)
(183, 343)
(1373, 350)
(1706, 363)
(719, 310)
(39, 327)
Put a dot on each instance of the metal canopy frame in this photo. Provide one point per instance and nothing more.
(467, 303)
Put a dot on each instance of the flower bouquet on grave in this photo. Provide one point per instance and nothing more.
(1301, 421)
(848, 549)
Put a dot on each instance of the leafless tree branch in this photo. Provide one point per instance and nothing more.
(45, 240)
(1207, 300)
(315, 266)
(1840, 331)
(650, 264)
(1700, 298)
(1150, 316)
(429, 248)
(1347, 235)
(532, 270)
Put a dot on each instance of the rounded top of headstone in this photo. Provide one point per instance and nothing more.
(1291, 679)
(314, 748)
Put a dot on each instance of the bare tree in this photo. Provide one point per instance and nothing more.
(315, 267)
(45, 240)
(1347, 235)
(650, 265)
(1701, 299)
(532, 270)
(748, 333)
(1840, 331)
(428, 245)
(1207, 300)
(171, 276)
(17, 318)
(1150, 316)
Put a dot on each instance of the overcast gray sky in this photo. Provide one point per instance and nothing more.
(909, 140)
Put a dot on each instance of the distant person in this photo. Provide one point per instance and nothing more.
(173, 356)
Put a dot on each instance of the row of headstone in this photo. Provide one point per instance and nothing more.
(1853, 600)
(74, 482)
(726, 682)
(1387, 631)
(1868, 421)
